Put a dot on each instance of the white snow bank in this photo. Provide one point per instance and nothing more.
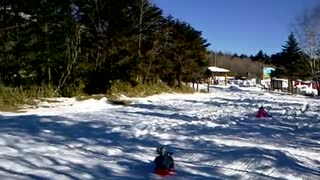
(69, 105)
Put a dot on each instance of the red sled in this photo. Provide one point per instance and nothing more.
(164, 172)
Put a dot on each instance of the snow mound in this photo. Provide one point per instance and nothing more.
(235, 88)
(71, 105)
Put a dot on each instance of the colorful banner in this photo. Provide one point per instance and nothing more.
(267, 72)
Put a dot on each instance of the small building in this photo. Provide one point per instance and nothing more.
(217, 71)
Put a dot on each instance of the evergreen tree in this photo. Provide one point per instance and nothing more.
(235, 55)
(260, 56)
(243, 56)
(275, 58)
(186, 52)
(289, 64)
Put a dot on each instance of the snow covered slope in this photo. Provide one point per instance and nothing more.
(212, 136)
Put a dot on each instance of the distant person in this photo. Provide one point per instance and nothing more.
(164, 163)
(262, 113)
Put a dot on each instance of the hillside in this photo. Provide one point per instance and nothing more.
(239, 67)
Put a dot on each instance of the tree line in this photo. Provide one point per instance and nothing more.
(91, 44)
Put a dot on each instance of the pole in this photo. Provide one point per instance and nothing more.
(225, 79)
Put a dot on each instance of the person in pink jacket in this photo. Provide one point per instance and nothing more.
(262, 113)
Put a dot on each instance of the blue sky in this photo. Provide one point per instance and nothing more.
(239, 26)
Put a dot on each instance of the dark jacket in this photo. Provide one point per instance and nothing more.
(164, 161)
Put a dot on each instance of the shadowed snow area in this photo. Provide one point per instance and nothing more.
(213, 136)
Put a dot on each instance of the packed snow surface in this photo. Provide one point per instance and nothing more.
(212, 135)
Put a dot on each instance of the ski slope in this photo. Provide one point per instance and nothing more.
(212, 135)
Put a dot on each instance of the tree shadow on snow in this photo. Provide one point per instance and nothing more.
(60, 135)
(254, 162)
(155, 107)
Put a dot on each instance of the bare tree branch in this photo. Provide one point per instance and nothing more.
(307, 29)
(74, 41)
(14, 27)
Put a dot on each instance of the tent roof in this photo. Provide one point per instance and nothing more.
(217, 69)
